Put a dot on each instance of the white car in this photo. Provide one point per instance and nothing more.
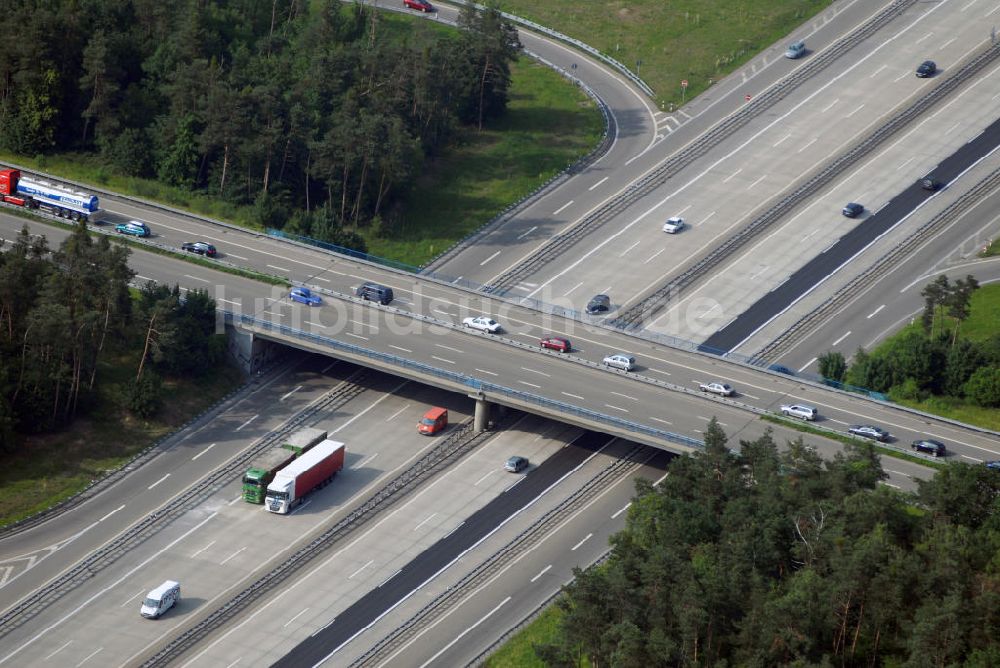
(722, 389)
(622, 361)
(800, 411)
(483, 324)
(673, 225)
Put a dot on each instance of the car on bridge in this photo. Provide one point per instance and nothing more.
(305, 296)
(199, 247)
(135, 228)
(557, 343)
(516, 464)
(868, 431)
(419, 5)
(930, 447)
(801, 411)
(599, 304)
(622, 361)
(994, 465)
(483, 324)
(715, 387)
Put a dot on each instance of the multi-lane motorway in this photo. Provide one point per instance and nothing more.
(217, 545)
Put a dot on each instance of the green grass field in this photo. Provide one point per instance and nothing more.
(667, 42)
(519, 652)
(52, 467)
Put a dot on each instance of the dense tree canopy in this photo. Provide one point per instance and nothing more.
(314, 105)
(63, 311)
(768, 558)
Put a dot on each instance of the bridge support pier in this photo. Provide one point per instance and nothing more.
(482, 419)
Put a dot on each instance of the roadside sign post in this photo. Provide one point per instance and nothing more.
(684, 87)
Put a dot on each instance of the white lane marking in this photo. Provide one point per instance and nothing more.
(524, 382)
(223, 562)
(111, 513)
(621, 510)
(405, 350)
(855, 110)
(484, 478)
(92, 598)
(598, 183)
(728, 178)
(656, 419)
(295, 617)
(806, 365)
(203, 452)
(904, 163)
(60, 649)
(488, 373)
(441, 359)
(357, 336)
(542, 572)
(463, 633)
(234, 662)
(158, 481)
(575, 396)
(526, 233)
(396, 414)
(875, 312)
(829, 106)
(562, 208)
(947, 43)
(617, 408)
(975, 459)
(7, 570)
(489, 258)
(285, 396)
(665, 373)
(313, 324)
(842, 338)
(432, 516)
(330, 365)
(248, 422)
(585, 539)
(89, 657)
(751, 186)
(362, 463)
(236, 500)
(197, 278)
(454, 350)
(775, 145)
(540, 373)
(441, 311)
(133, 597)
(807, 145)
(202, 549)
(624, 395)
(370, 562)
(875, 73)
(272, 266)
(629, 249)
(566, 294)
(654, 256)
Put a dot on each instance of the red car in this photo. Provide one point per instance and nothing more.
(556, 343)
(419, 5)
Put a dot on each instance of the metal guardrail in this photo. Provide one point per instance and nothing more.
(696, 149)
(473, 384)
(648, 307)
(111, 552)
(535, 27)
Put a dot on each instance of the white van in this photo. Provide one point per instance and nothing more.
(161, 599)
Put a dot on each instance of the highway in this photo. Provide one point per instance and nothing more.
(216, 573)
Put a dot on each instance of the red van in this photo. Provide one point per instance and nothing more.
(434, 420)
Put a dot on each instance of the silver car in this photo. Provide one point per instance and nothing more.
(800, 411)
(622, 361)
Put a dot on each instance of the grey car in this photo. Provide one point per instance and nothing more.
(869, 431)
(516, 464)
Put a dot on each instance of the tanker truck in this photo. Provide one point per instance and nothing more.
(312, 470)
(33, 193)
(262, 469)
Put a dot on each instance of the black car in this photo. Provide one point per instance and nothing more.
(853, 210)
(926, 69)
(781, 368)
(929, 447)
(930, 183)
(995, 465)
(869, 431)
(599, 304)
(199, 247)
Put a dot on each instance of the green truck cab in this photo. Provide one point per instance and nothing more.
(263, 469)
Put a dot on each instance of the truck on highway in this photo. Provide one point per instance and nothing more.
(312, 470)
(20, 190)
(262, 470)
